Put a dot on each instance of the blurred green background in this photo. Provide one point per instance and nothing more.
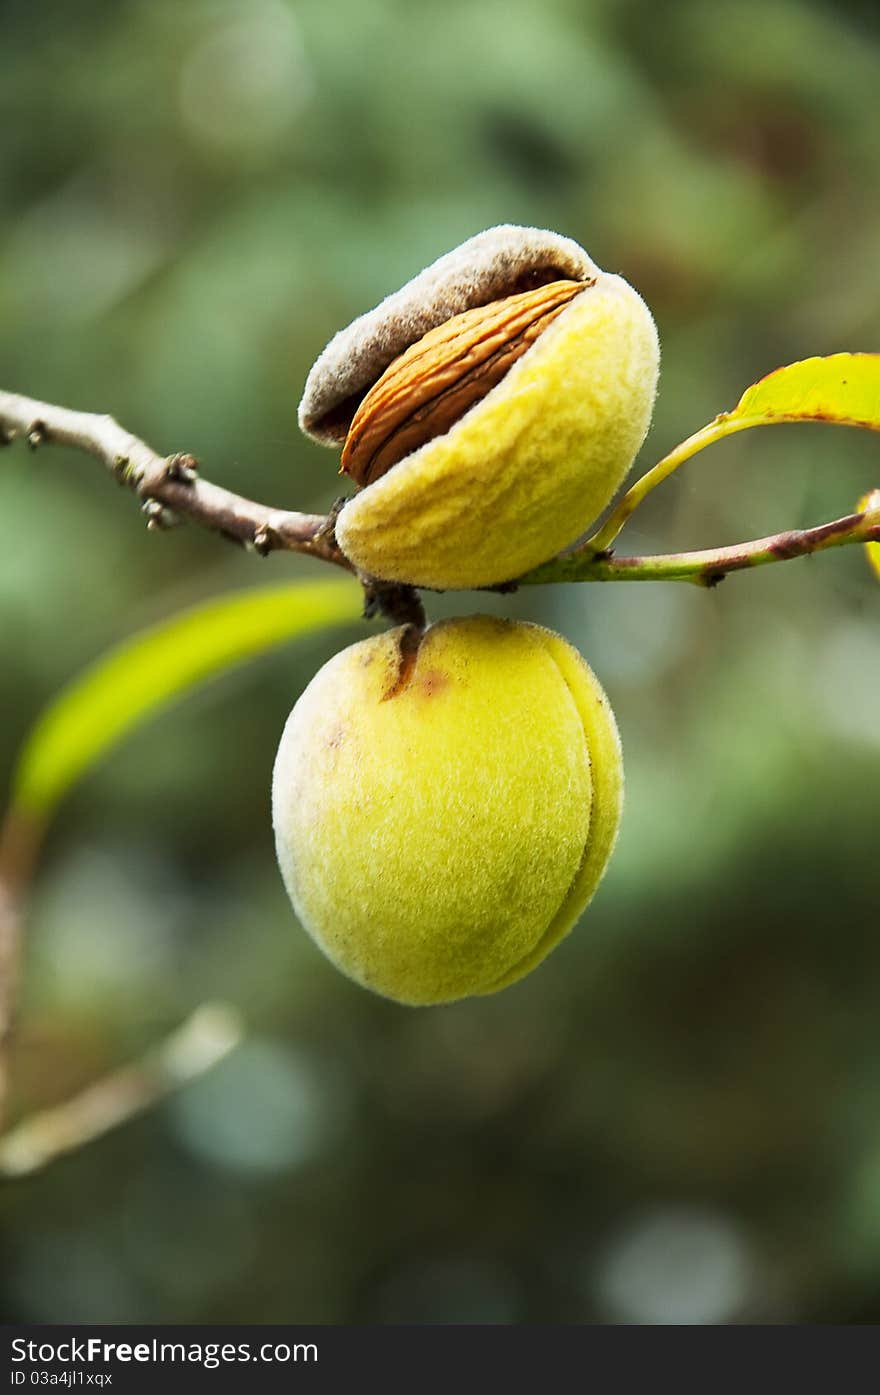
(677, 1119)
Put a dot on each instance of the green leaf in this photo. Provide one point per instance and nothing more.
(843, 388)
(152, 669)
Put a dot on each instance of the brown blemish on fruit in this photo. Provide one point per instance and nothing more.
(433, 681)
(408, 651)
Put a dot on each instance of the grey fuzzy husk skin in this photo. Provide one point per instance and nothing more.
(481, 270)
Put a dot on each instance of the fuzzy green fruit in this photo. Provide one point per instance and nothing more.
(443, 813)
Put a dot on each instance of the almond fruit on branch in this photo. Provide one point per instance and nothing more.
(488, 411)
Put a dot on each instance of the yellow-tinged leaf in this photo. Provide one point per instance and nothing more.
(154, 667)
(843, 388)
(872, 501)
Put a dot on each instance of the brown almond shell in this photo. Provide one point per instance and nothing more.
(430, 386)
(497, 263)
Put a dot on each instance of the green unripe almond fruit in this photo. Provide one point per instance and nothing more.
(444, 805)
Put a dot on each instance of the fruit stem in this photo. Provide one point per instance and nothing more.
(716, 430)
(400, 604)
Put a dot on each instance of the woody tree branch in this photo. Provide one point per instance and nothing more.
(170, 488)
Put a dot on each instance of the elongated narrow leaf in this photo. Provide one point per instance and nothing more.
(843, 388)
(153, 668)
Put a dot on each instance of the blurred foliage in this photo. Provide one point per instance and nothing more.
(676, 1118)
(158, 666)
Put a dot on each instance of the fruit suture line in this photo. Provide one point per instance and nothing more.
(171, 489)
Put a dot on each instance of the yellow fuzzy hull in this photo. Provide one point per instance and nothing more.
(528, 469)
(438, 842)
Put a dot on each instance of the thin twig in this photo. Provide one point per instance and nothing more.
(710, 565)
(724, 425)
(169, 486)
(205, 1038)
(208, 1035)
(20, 841)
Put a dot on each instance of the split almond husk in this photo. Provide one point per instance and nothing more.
(430, 386)
(488, 411)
